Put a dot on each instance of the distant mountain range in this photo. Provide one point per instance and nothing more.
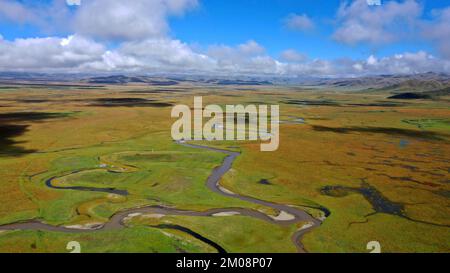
(393, 83)
(158, 81)
(424, 82)
(121, 79)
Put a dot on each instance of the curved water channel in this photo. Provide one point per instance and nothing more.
(288, 215)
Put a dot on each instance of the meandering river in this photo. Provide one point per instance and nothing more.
(288, 215)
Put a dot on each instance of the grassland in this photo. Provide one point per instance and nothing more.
(387, 162)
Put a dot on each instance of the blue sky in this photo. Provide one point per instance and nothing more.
(235, 21)
(319, 32)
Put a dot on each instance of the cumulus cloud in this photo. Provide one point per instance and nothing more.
(166, 54)
(243, 58)
(291, 55)
(299, 22)
(405, 63)
(128, 20)
(142, 44)
(98, 19)
(80, 54)
(359, 22)
(48, 54)
(438, 30)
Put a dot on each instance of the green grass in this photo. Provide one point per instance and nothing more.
(156, 171)
(238, 234)
(137, 239)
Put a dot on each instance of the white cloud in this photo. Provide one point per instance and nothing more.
(166, 54)
(291, 55)
(359, 22)
(73, 2)
(405, 63)
(48, 54)
(79, 54)
(128, 20)
(372, 60)
(243, 58)
(438, 31)
(251, 48)
(140, 29)
(299, 22)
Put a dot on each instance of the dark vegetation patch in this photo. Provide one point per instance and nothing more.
(157, 91)
(239, 82)
(129, 102)
(377, 104)
(410, 96)
(335, 191)
(433, 94)
(427, 135)
(33, 101)
(337, 104)
(443, 193)
(313, 102)
(264, 182)
(379, 202)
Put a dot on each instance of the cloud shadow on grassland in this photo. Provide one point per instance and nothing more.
(8, 146)
(10, 128)
(427, 135)
(129, 102)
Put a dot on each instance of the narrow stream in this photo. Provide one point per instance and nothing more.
(288, 214)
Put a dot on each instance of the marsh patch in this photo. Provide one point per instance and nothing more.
(379, 202)
(403, 143)
(335, 191)
(264, 182)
